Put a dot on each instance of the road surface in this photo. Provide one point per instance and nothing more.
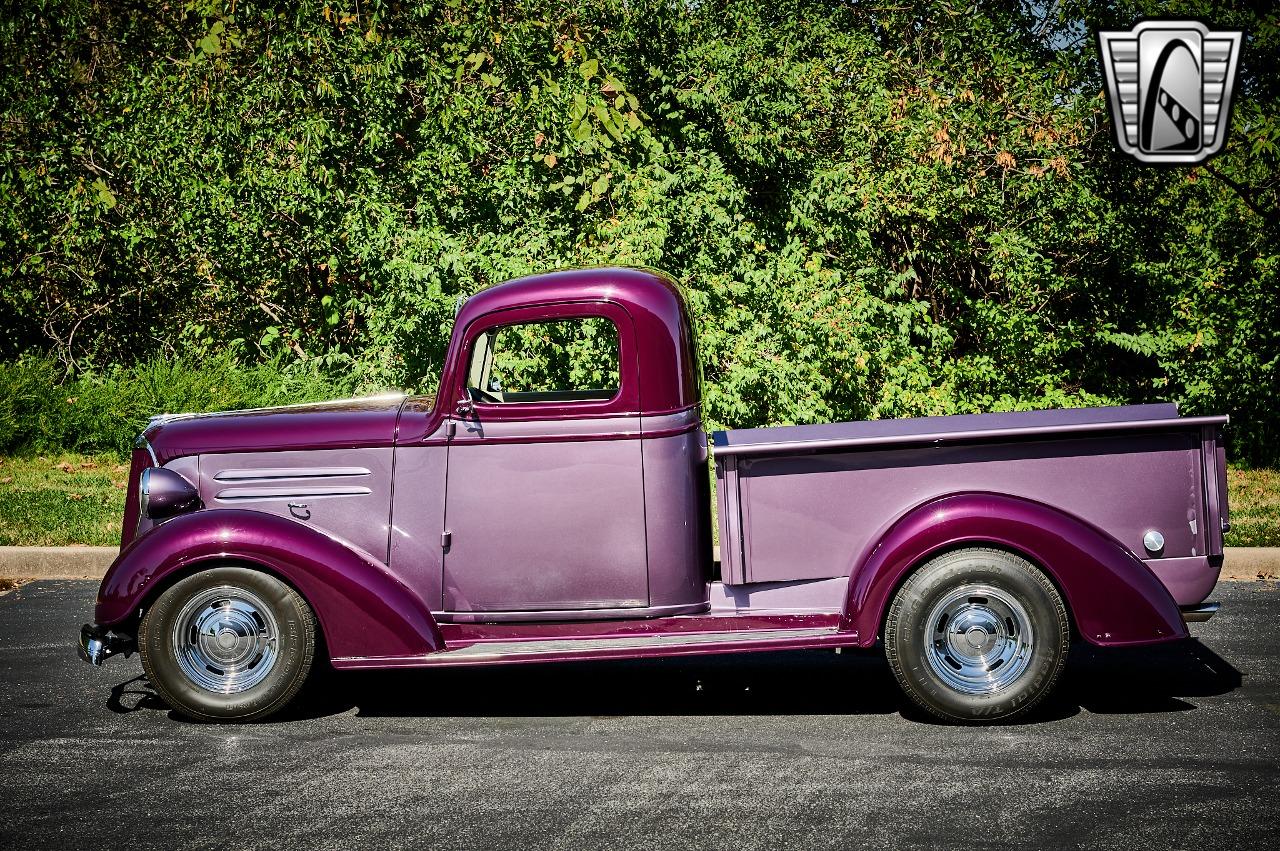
(1171, 747)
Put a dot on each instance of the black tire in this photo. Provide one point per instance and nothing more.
(206, 644)
(977, 635)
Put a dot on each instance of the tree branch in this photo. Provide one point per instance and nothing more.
(1243, 193)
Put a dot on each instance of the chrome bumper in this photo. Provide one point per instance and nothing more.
(98, 644)
(1200, 612)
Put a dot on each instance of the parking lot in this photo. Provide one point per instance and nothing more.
(1171, 747)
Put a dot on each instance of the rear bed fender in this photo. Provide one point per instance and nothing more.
(1113, 597)
(363, 609)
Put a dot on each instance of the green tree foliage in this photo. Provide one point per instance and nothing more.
(879, 209)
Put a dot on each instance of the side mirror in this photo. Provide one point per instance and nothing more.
(465, 408)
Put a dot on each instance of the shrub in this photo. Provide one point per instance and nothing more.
(42, 410)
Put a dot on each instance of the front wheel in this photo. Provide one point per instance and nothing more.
(977, 635)
(228, 644)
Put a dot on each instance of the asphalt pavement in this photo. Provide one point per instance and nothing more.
(1168, 747)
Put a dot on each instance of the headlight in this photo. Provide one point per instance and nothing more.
(163, 493)
(144, 491)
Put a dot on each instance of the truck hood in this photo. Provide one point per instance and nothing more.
(369, 421)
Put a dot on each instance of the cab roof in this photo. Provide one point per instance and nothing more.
(652, 299)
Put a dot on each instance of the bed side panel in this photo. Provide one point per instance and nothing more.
(804, 516)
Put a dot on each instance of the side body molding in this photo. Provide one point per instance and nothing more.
(362, 608)
(1113, 597)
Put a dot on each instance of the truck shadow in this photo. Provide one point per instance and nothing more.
(1144, 679)
(1113, 681)
(793, 683)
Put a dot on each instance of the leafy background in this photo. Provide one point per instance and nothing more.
(880, 209)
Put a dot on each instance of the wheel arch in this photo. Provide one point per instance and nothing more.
(361, 608)
(969, 544)
(1112, 598)
(212, 562)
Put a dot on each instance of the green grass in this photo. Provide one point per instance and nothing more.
(68, 499)
(61, 500)
(1254, 496)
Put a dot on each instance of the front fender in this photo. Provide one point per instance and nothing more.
(1114, 598)
(363, 609)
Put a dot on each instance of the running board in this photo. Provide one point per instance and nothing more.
(617, 647)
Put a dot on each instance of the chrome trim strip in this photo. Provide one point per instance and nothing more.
(245, 475)
(141, 442)
(380, 397)
(246, 494)
(962, 436)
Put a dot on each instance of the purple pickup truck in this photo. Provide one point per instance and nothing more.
(551, 502)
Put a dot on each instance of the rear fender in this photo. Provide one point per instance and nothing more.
(1114, 598)
(364, 610)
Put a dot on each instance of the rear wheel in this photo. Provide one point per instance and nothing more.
(977, 635)
(228, 644)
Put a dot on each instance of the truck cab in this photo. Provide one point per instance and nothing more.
(566, 456)
(551, 502)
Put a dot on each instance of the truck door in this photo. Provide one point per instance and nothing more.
(544, 495)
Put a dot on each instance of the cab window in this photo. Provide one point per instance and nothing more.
(560, 361)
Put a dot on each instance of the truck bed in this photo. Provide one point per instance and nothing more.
(799, 503)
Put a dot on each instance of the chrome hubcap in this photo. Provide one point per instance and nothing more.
(980, 639)
(226, 640)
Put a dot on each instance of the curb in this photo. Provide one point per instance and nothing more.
(1241, 563)
(56, 562)
(1247, 563)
